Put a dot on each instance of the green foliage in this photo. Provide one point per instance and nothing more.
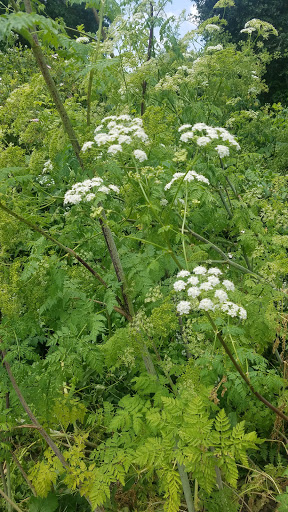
(134, 393)
(48, 504)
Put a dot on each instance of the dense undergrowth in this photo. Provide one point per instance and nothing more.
(143, 239)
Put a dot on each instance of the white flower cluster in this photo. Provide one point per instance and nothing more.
(201, 281)
(140, 155)
(247, 30)
(216, 48)
(189, 176)
(82, 191)
(210, 27)
(44, 178)
(115, 131)
(172, 83)
(211, 133)
(48, 166)
(82, 39)
(263, 27)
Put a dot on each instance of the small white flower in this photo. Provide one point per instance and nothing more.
(96, 181)
(124, 139)
(183, 273)
(213, 280)
(221, 295)
(186, 136)
(193, 292)
(211, 27)
(242, 313)
(126, 117)
(217, 48)
(199, 126)
(248, 30)
(163, 202)
(102, 138)
(206, 304)
(206, 286)
(212, 132)
(179, 285)
(104, 190)
(200, 270)
(87, 145)
(203, 141)
(214, 270)
(222, 151)
(183, 307)
(115, 148)
(230, 255)
(193, 280)
(71, 198)
(114, 188)
(82, 39)
(228, 285)
(89, 197)
(141, 135)
(140, 155)
(184, 127)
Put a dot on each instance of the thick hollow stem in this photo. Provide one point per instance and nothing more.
(9, 490)
(34, 420)
(230, 215)
(14, 505)
(3, 479)
(186, 488)
(40, 59)
(114, 255)
(66, 249)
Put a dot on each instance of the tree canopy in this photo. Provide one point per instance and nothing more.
(274, 12)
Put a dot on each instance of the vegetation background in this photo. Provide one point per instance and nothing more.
(143, 246)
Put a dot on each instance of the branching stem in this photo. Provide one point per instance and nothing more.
(241, 372)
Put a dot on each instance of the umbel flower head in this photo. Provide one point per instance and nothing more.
(118, 134)
(209, 289)
(81, 191)
(203, 135)
(262, 27)
(189, 176)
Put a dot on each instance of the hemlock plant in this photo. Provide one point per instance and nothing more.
(143, 267)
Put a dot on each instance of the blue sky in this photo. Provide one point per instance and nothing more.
(176, 6)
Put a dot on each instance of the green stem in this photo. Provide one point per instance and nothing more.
(68, 251)
(40, 59)
(183, 226)
(232, 187)
(227, 260)
(29, 483)
(170, 250)
(2, 475)
(114, 255)
(28, 411)
(196, 495)
(56, 242)
(230, 215)
(186, 487)
(242, 374)
(9, 491)
(9, 501)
